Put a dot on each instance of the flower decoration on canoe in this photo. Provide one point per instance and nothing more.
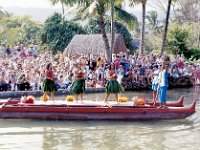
(138, 101)
(28, 100)
(122, 99)
(70, 98)
(44, 98)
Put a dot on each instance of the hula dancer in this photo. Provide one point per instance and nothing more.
(112, 86)
(48, 84)
(163, 85)
(78, 86)
(155, 83)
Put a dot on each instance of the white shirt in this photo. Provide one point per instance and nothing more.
(155, 77)
(161, 78)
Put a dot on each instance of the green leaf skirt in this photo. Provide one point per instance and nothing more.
(78, 86)
(49, 86)
(113, 86)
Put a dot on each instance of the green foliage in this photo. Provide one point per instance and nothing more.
(57, 33)
(177, 41)
(19, 29)
(4, 14)
(194, 54)
(127, 18)
(154, 24)
(93, 27)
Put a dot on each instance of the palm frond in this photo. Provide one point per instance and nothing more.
(118, 3)
(79, 2)
(123, 16)
(53, 2)
(132, 3)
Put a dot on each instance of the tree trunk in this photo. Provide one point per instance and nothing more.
(166, 27)
(105, 39)
(198, 38)
(63, 9)
(142, 28)
(112, 30)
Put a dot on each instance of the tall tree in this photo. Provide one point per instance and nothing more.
(88, 8)
(93, 28)
(143, 2)
(153, 22)
(4, 13)
(57, 33)
(166, 28)
(63, 3)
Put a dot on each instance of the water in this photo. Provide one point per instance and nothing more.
(181, 134)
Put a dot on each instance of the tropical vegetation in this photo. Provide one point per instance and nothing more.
(177, 33)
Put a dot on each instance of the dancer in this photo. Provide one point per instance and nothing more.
(78, 86)
(112, 86)
(48, 84)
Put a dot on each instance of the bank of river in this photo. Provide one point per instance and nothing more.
(105, 135)
(14, 94)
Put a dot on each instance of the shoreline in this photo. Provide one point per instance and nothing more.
(17, 94)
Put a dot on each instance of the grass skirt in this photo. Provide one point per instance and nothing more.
(113, 86)
(78, 86)
(48, 86)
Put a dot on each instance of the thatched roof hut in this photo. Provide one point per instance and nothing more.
(93, 44)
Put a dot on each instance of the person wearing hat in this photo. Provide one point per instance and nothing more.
(163, 84)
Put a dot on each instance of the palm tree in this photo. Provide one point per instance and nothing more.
(166, 27)
(152, 19)
(63, 3)
(86, 8)
(4, 13)
(153, 22)
(143, 2)
(96, 7)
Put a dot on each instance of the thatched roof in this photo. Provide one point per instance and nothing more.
(93, 43)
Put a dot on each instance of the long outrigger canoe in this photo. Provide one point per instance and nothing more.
(176, 103)
(67, 111)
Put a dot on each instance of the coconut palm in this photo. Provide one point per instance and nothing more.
(143, 2)
(166, 27)
(152, 21)
(4, 13)
(63, 3)
(87, 8)
(100, 7)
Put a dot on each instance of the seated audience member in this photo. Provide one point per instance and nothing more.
(22, 83)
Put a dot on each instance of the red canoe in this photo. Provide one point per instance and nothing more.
(82, 112)
(177, 103)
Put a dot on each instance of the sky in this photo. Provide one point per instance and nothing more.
(41, 9)
(26, 3)
(31, 3)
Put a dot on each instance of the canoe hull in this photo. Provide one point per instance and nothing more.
(95, 113)
(93, 116)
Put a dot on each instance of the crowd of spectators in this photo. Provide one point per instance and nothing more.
(21, 68)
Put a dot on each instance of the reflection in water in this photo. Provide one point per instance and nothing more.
(107, 135)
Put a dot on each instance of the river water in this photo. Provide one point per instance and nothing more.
(181, 134)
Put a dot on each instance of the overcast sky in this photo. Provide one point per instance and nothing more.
(32, 3)
(26, 3)
(35, 8)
